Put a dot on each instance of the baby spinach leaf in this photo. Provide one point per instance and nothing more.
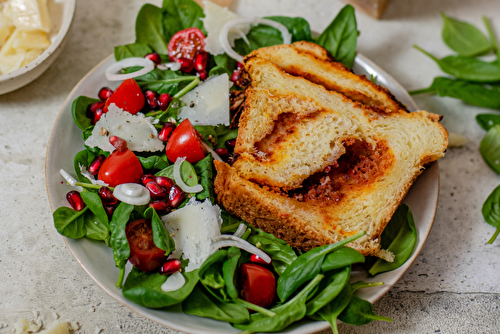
(204, 168)
(84, 158)
(331, 311)
(342, 257)
(491, 212)
(160, 81)
(259, 36)
(224, 133)
(202, 304)
(153, 162)
(69, 222)
(230, 223)
(144, 288)
(208, 133)
(464, 38)
(188, 173)
(486, 96)
(161, 237)
(229, 270)
(118, 241)
(399, 237)
(362, 285)
(297, 26)
(131, 50)
(328, 289)
(218, 70)
(149, 28)
(225, 61)
(340, 37)
(360, 312)
(307, 266)
(490, 148)
(179, 15)
(79, 110)
(94, 203)
(95, 229)
(487, 121)
(466, 68)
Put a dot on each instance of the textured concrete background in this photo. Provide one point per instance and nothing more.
(451, 288)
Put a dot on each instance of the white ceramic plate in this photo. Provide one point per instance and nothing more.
(97, 259)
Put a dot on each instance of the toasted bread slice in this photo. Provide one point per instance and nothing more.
(314, 63)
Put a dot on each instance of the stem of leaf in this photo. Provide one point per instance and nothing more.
(425, 52)
(493, 39)
(186, 89)
(422, 91)
(495, 235)
(121, 275)
(186, 78)
(255, 308)
(229, 227)
(91, 186)
(245, 332)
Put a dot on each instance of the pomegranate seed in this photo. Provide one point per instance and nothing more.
(97, 115)
(105, 93)
(118, 143)
(106, 196)
(164, 101)
(159, 205)
(156, 191)
(203, 75)
(239, 66)
(165, 182)
(235, 76)
(186, 64)
(75, 200)
(223, 153)
(256, 259)
(200, 60)
(176, 196)
(96, 105)
(151, 99)
(170, 267)
(96, 164)
(146, 178)
(166, 131)
(154, 57)
(230, 144)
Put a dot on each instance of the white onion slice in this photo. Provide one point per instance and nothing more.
(287, 37)
(132, 193)
(231, 240)
(70, 179)
(174, 282)
(180, 182)
(240, 231)
(215, 155)
(147, 64)
(172, 66)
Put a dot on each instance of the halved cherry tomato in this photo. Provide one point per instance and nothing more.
(185, 141)
(120, 167)
(144, 255)
(258, 285)
(128, 96)
(185, 43)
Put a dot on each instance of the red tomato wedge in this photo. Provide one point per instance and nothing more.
(185, 43)
(258, 285)
(144, 254)
(185, 141)
(128, 96)
(120, 167)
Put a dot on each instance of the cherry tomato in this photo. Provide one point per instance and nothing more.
(120, 167)
(258, 285)
(185, 141)
(144, 255)
(128, 96)
(185, 44)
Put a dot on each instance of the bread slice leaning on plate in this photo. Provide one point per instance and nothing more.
(316, 164)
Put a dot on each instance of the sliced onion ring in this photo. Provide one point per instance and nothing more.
(174, 282)
(147, 66)
(172, 66)
(287, 37)
(240, 231)
(132, 193)
(231, 240)
(180, 182)
(215, 155)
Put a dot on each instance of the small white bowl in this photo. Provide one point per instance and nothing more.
(61, 12)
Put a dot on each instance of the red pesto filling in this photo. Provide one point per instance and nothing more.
(359, 167)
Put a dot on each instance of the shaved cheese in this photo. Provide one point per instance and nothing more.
(193, 227)
(137, 130)
(215, 18)
(30, 15)
(208, 103)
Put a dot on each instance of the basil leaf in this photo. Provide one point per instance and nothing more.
(180, 15)
(490, 148)
(161, 238)
(464, 38)
(149, 28)
(204, 168)
(398, 237)
(188, 173)
(491, 212)
(360, 312)
(94, 203)
(96, 230)
(487, 121)
(79, 110)
(342, 257)
(84, 158)
(340, 37)
(69, 222)
(328, 289)
(131, 50)
(153, 162)
(144, 288)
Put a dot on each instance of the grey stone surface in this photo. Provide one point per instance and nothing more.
(451, 288)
